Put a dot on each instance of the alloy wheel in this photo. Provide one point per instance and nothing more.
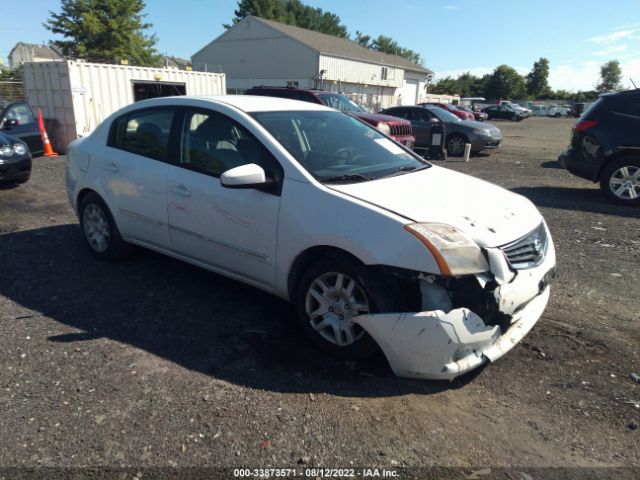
(455, 146)
(625, 182)
(332, 300)
(96, 227)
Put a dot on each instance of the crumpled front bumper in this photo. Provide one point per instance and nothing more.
(439, 345)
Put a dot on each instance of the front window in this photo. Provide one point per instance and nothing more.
(337, 147)
(340, 102)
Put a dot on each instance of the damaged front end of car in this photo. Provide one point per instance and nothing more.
(455, 322)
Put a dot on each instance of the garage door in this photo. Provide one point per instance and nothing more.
(409, 91)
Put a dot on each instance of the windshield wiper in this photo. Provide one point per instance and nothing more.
(349, 177)
(403, 169)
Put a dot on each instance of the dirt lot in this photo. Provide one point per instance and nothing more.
(153, 362)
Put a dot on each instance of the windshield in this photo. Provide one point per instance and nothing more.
(443, 115)
(340, 102)
(337, 147)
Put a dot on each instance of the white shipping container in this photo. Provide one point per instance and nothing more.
(76, 96)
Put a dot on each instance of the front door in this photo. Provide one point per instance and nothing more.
(18, 120)
(233, 230)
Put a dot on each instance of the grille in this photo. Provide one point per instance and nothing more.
(529, 251)
(400, 129)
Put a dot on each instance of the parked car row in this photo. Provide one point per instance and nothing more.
(427, 127)
(552, 110)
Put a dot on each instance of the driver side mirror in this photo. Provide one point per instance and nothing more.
(246, 176)
(10, 122)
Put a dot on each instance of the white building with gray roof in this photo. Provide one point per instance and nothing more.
(256, 51)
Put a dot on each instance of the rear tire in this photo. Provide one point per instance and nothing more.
(330, 292)
(99, 230)
(515, 118)
(620, 181)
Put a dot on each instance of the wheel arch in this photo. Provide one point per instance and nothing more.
(82, 194)
(613, 157)
(459, 134)
(311, 255)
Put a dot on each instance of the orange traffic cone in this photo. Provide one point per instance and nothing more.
(48, 151)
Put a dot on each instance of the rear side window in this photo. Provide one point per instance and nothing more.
(628, 107)
(144, 132)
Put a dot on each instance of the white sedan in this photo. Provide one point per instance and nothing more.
(377, 247)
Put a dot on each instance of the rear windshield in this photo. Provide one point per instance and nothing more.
(591, 107)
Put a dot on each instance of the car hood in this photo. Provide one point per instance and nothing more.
(378, 118)
(6, 139)
(489, 214)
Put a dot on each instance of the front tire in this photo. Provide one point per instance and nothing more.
(515, 118)
(331, 293)
(455, 145)
(620, 181)
(99, 230)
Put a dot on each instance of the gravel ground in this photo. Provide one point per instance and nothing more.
(152, 362)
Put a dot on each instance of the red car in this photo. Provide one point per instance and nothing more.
(478, 116)
(453, 109)
(397, 128)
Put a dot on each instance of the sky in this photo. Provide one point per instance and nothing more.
(453, 36)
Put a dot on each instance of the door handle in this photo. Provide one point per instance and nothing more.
(111, 166)
(181, 191)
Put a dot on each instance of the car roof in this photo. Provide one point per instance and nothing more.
(246, 103)
(623, 93)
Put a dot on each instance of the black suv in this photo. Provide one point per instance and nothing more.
(605, 146)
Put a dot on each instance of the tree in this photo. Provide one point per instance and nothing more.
(363, 40)
(505, 82)
(538, 79)
(610, 76)
(291, 12)
(105, 31)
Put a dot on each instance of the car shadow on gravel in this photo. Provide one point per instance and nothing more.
(582, 199)
(184, 314)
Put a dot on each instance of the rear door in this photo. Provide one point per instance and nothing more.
(18, 120)
(132, 172)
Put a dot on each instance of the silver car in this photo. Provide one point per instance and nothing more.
(481, 135)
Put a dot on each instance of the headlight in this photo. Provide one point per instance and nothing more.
(19, 148)
(454, 252)
(6, 151)
(384, 128)
(483, 131)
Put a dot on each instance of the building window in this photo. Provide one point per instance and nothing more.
(384, 73)
(292, 83)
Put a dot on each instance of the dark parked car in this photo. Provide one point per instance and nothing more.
(15, 160)
(605, 146)
(502, 111)
(17, 119)
(398, 129)
(481, 136)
